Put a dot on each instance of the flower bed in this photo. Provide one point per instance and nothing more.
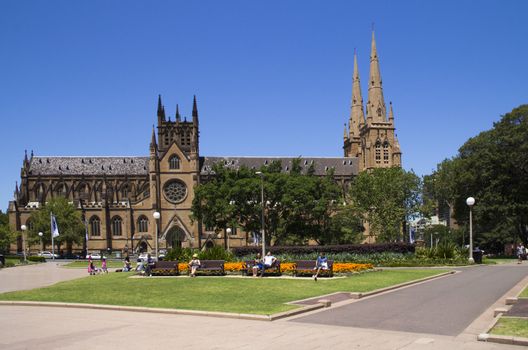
(290, 267)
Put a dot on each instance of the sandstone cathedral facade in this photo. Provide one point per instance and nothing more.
(118, 195)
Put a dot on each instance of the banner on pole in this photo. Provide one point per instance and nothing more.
(54, 227)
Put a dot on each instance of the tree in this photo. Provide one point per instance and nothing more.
(69, 221)
(7, 236)
(493, 168)
(297, 208)
(385, 197)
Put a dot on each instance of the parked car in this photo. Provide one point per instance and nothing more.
(95, 256)
(48, 255)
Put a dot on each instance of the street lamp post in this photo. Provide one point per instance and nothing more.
(41, 245)
(228, 233)
(24, 228)
(261, 174)
(470, 201)
(156, 216)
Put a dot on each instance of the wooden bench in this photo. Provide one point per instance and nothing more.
(274, 269)
(210, 266)
(165, 268)
(307, 267)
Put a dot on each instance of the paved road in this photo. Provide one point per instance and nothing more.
(63, 328)
(445, 306)
(35, 276)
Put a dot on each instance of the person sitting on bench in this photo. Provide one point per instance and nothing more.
(194, 264)
(269, 260)
(258, 265)
(321, 263)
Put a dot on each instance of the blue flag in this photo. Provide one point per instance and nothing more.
(54, 227)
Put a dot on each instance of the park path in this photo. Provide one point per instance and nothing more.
(445, 306)
(36, 275)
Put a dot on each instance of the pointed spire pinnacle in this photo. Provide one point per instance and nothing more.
(178, 117)
(161, 110)
(26, 160)
(376, 110)
(153, 144)
(391, 113)
(345, 134)
(195, 112)
(357, 116)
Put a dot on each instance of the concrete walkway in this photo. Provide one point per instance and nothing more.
(23, 327)
(63, 328)
(444, 306)
(36, 276)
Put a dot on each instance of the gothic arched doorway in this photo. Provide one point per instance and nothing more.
(175, 237)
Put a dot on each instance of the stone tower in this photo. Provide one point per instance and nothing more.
(371, 139)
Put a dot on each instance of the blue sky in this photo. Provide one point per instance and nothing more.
(271, 77)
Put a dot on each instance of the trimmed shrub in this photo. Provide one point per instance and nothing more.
(36, 258)
(361, 249)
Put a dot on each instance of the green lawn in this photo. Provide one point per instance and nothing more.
(238, 295)
(498, 261)
(511, 326)
(84, 264)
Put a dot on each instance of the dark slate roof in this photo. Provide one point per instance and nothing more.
(139, 165)
(89, 165)
(343, 166)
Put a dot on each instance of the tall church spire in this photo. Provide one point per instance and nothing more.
(178, 117)
(357, 117)
(161, 111)
(195, 112)
(376, 110)
(153, 144)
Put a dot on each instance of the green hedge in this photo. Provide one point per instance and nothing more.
(36, 258)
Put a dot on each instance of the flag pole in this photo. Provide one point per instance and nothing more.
(51, 231)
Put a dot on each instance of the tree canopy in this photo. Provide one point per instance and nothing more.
(385, 197)
(298, 207)
(7, 236)
(69, 221)
(492, 167)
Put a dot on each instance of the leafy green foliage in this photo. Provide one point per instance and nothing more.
(297, 208)
(385, 197)
(492, 167)
(69, 221)
(7, 236)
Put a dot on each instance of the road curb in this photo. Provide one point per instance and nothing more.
(497, 314)
(322, 303)
(355, 295)
(254, 317)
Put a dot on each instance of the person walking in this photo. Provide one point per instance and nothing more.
(521, 253)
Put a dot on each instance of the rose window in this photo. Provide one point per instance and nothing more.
(175, 191)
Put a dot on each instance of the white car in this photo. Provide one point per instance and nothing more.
(48, 255)
(95, 256)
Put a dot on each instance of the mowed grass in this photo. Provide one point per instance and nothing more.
(236, 295)
(84, 264)
(524, 293)
(511, 326)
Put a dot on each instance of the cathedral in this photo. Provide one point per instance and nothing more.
(118, 196)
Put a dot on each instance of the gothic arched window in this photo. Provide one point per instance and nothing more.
(124, 192)
(40, 193)
(386, 152)
(142, 224)
(61, 190)
(95, 226)
(378, 152)
(116, 226)
(174, 162)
